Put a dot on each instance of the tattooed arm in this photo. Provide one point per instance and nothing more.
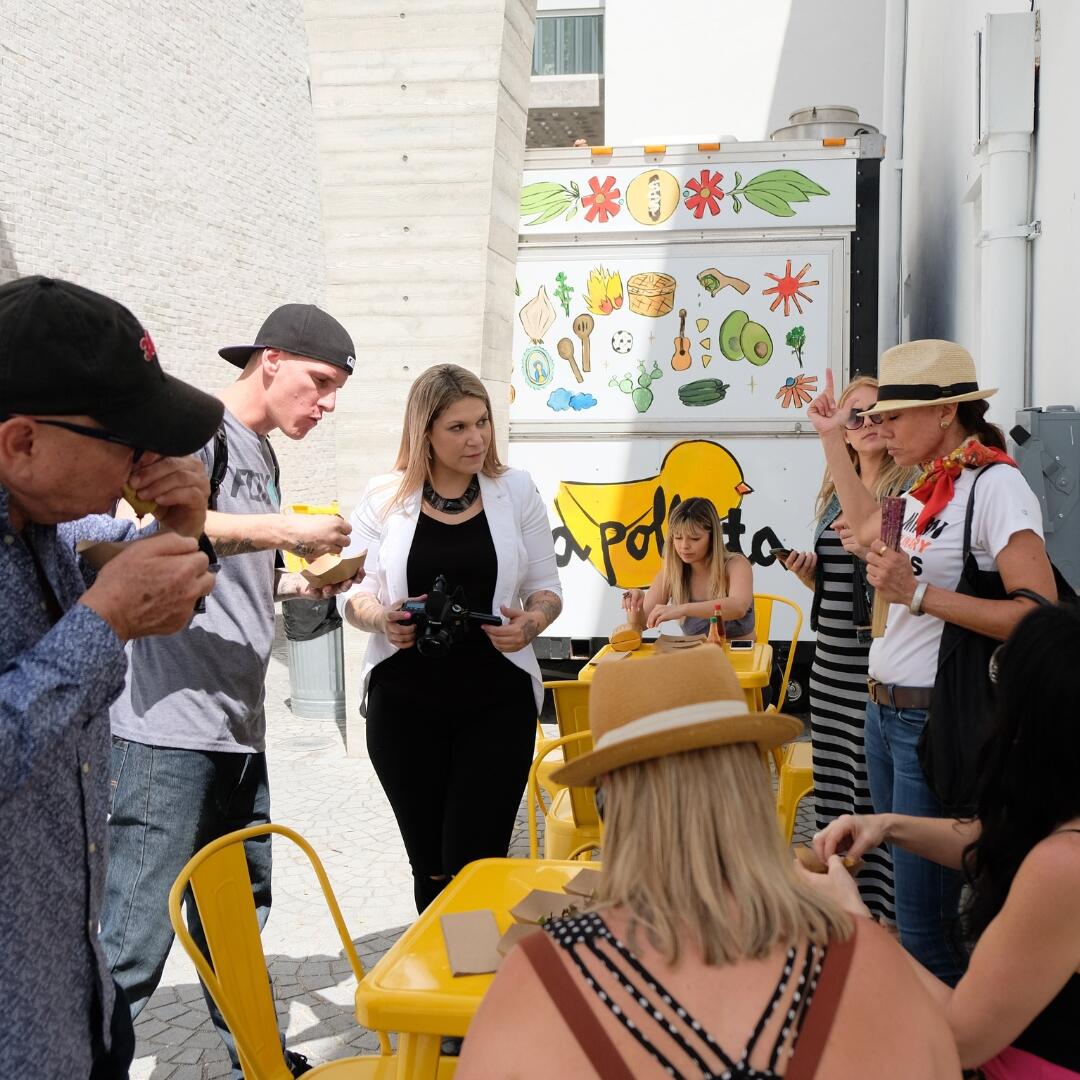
(524, 624)
(306, 535)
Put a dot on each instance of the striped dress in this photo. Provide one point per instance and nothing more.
(837, 716)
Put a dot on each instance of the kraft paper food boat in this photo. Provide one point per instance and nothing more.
(332, 569)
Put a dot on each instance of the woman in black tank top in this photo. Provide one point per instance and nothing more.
(1016, 1012)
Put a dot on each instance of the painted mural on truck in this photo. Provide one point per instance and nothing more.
(619, 527)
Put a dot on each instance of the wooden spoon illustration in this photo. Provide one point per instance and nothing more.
(583, 327)
(566, 351)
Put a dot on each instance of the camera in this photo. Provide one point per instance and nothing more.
(442, 619)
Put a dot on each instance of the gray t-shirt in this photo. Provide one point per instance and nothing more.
(202, 688)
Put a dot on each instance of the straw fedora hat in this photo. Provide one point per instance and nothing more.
(665, 704)
(927, 372)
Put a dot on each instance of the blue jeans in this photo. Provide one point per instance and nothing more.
(927, 894)
(166, 805)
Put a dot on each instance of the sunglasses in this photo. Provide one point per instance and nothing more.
(91, 433)
(854, 421)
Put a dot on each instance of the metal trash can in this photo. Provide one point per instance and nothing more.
(313, 634)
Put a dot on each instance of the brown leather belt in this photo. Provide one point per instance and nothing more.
(900, 697)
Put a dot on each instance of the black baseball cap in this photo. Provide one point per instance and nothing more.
(68, 351)
(301, 329)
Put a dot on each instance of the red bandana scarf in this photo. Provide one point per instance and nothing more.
(934, 486)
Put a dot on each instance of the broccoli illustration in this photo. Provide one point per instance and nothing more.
(640, 394)
(796, 339)
(563, 291)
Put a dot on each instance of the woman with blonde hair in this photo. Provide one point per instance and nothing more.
(697, 575)
(840, 616)
(704, 952)
(451, 700)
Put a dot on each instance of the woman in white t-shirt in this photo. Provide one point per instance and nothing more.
(933, 415)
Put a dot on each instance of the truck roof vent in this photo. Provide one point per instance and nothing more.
(824, 122)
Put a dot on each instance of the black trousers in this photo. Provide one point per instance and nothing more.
(112, 1064)
(453, 767)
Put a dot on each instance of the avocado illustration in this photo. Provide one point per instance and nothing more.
(730, 329)
(755, 343)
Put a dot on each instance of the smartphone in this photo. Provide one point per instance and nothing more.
(780, 553)
(740, 644)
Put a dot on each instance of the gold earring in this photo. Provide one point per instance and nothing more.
(944, 424)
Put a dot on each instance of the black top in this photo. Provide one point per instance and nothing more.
(464, 554)
(657, 1020)
(1053, 1034)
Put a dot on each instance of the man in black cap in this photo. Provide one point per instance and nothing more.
(86, 409)
(189, 730)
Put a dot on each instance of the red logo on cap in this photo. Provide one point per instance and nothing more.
(147, 346)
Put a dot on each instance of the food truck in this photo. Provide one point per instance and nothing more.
(677, 309)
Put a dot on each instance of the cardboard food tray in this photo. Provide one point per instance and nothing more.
(671, 642)
(608, 658)
(542, 904)
(472, 939)
(97, 555)
(332, 569)
(584, 883)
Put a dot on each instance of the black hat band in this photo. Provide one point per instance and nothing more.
(925, 391)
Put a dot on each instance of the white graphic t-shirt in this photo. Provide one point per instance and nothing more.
(1004, 505)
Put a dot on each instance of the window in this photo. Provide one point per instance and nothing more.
(569, 45)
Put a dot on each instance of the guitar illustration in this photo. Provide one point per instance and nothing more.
(682, 359)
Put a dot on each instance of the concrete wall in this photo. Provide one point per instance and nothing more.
(420, 116)
(685, 71)
(165, 154)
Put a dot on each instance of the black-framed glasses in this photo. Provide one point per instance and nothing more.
(89, 432)
(854, 421)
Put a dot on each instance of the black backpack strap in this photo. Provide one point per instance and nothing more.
(971, 507)
(218, 466)
(279, 559)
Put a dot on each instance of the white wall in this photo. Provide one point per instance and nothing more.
(1057, 373)
(165, 154)
(699, 71)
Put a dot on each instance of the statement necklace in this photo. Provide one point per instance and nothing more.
(452, 506)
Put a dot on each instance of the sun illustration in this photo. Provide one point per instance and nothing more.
(797, 390)
(789, 289)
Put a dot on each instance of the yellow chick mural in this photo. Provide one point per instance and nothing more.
(603, 292)
(621, 525)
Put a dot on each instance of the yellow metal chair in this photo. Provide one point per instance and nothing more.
(793, 765)
(238, 981)
(571, 699)
(571, 823)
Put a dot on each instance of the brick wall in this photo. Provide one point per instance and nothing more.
(165, 154)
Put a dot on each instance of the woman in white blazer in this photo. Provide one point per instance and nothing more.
(450, 729)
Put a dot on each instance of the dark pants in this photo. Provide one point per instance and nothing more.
(453, 769)
(167, 804)
(113, 1064)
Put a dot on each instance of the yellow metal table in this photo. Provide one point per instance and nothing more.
(411, 990)
(752, 666)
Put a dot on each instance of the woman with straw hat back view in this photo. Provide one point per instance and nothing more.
(704, 952)
(934, 416)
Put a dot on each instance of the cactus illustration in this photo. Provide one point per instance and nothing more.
(640, 394)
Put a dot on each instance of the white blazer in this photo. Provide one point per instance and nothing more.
(520, 532)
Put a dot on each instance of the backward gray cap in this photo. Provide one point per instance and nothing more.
(302, 329)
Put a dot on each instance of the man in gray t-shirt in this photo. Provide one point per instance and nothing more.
(188, 762)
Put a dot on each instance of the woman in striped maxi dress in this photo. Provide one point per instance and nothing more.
(841, 618)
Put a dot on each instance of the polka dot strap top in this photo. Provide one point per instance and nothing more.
(666, 1030)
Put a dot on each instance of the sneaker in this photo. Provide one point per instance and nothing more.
(296, 1063)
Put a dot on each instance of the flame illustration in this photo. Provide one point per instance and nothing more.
(604, 292)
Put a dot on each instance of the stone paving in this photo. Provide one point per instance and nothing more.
(335, 801)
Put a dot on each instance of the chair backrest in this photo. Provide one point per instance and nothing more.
(571, 698)
(763, 613)
(582, 741)
(237, 980)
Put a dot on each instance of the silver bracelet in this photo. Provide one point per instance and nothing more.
(915, 607)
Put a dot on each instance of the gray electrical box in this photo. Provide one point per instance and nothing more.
(1048, 453)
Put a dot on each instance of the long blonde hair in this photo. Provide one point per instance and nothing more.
(695, 515)
(892, 479)
(693, 853)
(431, 393)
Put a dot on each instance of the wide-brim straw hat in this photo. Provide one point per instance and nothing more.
(927, 372)
(667, 704)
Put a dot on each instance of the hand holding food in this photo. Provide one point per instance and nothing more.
(663, 613)
(312, 535)
(174, 489)
(633, 600)
(851, 834)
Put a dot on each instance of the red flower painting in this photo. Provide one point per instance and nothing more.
(704, 192)
(603, 202)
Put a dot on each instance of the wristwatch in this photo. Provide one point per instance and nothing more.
(915, 607)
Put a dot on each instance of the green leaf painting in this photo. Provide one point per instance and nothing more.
(774, 191)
